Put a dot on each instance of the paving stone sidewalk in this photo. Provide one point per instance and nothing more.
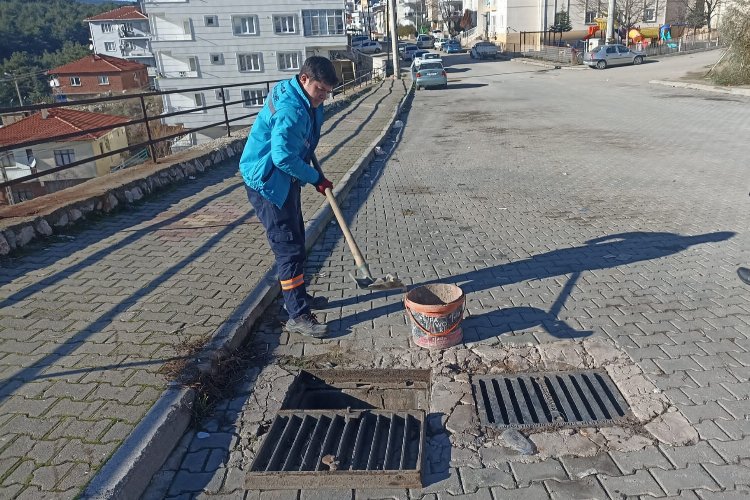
(577, 241)
(87, 322)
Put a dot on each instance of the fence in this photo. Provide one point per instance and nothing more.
(154, 133)
(552, 49)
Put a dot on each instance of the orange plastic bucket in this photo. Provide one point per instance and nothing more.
(435, 312)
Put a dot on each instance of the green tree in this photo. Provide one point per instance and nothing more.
(562, 23)
(407, 31)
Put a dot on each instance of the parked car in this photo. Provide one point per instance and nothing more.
(401, 46)
(368, 47)
(408, 53)
(430, 56)
(452, 47)
(430, 74)
(358, 39)
(612, 54)
(438, 43)
(484, 50)
(419, 53)
(425, 41)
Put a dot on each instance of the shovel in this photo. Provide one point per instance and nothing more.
(363, 278)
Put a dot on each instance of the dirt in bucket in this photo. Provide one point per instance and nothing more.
(435, 295)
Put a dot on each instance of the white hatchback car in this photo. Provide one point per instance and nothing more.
(368, 47)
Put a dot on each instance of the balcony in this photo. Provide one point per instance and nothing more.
(132, 34)
(165, 30)
(179, 74)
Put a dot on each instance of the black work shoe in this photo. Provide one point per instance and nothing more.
(317, 303)
(308, 325)
(744, 274)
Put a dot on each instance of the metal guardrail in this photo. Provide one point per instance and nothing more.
(146, 119)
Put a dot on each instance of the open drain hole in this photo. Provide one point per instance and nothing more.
(346, 428)
(563, 399)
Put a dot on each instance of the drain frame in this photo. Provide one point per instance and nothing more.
(565, 407)
(349, 443)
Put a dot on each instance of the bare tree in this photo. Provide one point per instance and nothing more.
(628, 13)
(450, 14)
(735, 27)
(700, 13)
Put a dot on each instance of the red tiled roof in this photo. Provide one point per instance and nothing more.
(59, 121)
(129, 12)
(96, 63)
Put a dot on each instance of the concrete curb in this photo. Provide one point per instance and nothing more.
(705, 88)
(130, 469)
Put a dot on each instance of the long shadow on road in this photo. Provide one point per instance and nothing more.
(600, 253)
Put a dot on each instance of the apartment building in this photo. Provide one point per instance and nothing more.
(223, 42)
(123, 33)
(504, 20)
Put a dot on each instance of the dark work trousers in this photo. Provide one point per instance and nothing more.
(285, 230)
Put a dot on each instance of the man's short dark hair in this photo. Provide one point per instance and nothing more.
(320, 69)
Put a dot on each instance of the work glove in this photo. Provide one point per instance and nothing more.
(322, 184)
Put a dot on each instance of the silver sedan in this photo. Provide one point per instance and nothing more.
(612, 54)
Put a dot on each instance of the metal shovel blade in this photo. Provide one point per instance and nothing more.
(389, 282)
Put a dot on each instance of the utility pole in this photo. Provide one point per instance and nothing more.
(18, 91)
(8, 190)
(611, 22)
(394, 38)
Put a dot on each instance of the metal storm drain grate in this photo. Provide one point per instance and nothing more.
(346, 429)
(319, 448)
(549, 399)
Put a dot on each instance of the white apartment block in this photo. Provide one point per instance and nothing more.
(223, 42)
(123, 33)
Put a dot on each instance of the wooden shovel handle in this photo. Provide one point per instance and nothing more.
(359, 260)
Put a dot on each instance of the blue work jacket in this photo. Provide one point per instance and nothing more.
(281, 142)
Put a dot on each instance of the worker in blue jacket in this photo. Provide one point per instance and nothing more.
(275, 164)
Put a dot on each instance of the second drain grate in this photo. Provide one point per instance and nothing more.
(549, 399)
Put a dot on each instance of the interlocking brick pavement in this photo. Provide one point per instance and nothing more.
(567, 205)
(87, 322)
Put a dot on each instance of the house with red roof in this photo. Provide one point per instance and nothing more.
(125, 33)
(96, 75)
(47, 125)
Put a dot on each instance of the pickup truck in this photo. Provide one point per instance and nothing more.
(484, 50)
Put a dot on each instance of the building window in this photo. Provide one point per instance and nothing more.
(591, 11)
(198, 97)
(253, 98)
(649, 15)
(109, 46)
(217, 58)
(246, 25)
(128, 27)
(64, 157)
(106, 27)
(211, 21)
(288, 60)
(22, 195)
(103, 80)
(192, 63)
(30, 156)
(248, 62)
(75, 81)
(323, 22)
(284, 24)
(220, 92)
(6, 159)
